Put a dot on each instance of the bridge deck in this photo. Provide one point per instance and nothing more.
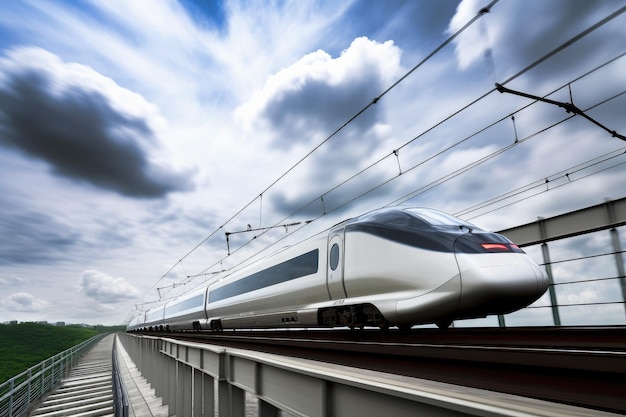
(87, 390)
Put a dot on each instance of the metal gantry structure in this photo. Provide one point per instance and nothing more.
(609, 215)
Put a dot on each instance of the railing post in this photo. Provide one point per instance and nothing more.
(208, 394)
(197, 385)
(170, 397)
(11, 388)
(43, 378)
(30, 376)
(160, 374)
(551, 290)
(223, 398)
(57, 372)
(184, 391)
(548, 263)
(619, 262)
(617, 249)
(237, 401)
(48, 379)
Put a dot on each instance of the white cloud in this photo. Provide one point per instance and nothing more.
(105, 288)
(84, 125)
(318, 92)
(66, 77)
(10, 280)
(516, 34)
(473, 42)
(587, 295)
(24, 302)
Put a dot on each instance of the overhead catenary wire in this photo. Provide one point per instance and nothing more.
(432, 185)
(464, 169)
(396, 151)
(563, 174)
(548, 188)
(528, 68)
(539, 184)
(454, 174)
(482, 160)
(376, 99)
(566, 44)
(448, 40)
(423, 189)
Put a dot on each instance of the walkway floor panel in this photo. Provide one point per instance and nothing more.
(69, 391)
(87, 391)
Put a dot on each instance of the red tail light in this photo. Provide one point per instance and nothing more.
(501, 247)
(495, 247)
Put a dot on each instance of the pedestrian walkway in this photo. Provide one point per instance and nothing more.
(88, 389)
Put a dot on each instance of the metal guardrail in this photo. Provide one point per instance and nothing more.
(120, 396)
(195, 379)
(20, 392)
(600, 307)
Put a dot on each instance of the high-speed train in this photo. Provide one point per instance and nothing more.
(394, 266)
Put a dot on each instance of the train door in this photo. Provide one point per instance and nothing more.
(334, 266)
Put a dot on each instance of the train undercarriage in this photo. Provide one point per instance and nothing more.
(352, 316)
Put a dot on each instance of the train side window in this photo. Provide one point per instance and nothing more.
(334, 257)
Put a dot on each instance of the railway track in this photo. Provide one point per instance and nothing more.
(579, 366)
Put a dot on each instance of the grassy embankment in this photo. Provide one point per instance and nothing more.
(26, 344)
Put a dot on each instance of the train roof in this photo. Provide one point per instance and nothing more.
(429, 216)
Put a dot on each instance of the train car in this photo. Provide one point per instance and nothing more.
(136, 322)
(273, 292)
(154, 319)
(395, 266)
(420, 266)
(184, 312)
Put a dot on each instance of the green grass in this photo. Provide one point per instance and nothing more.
(26, 344)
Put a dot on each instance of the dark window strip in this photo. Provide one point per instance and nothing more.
(297, 267)
(194, 302)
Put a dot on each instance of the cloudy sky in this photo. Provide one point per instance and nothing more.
(133, 132)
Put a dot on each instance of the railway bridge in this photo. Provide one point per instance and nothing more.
(560, 367)
(567, 371)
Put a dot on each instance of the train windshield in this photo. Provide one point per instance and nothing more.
(438, 218)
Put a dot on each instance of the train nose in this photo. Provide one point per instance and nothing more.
(498, 283)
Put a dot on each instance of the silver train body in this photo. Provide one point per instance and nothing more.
(393, 266)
